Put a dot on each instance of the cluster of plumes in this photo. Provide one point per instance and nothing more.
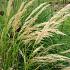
(44, 56)
(37, 32)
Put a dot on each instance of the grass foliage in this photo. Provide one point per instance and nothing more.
(34, 37)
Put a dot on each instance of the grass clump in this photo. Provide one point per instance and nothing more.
(24, 38)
